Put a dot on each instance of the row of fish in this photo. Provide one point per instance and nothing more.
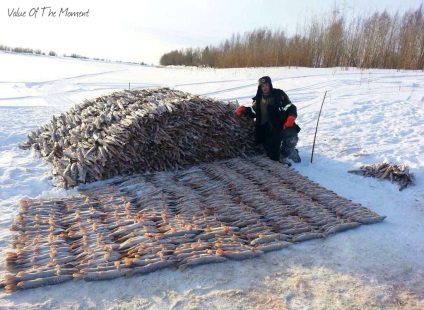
(230, 210)
(395, 173)
(134, 131)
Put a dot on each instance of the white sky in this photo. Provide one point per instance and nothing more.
(145, 30)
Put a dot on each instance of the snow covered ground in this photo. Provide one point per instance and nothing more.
(369, 116)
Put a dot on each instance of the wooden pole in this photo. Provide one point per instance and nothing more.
(316, 129)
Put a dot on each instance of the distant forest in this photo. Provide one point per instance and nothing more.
(27, 50)
(379, 40)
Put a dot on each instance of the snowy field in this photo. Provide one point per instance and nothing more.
(369, 116)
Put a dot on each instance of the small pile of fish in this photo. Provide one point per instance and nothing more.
(399, 174)
(230, 210)
(134, 131)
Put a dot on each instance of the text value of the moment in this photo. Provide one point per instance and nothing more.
(47, 11)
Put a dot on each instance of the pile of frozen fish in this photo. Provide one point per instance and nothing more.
(137, 131)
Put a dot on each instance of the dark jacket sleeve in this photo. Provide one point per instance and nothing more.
(292, 110)
(251, 111)
(288, 106)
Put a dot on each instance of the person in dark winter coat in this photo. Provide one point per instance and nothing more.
(275, 125)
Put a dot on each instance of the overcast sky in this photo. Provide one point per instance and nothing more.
(144, 30)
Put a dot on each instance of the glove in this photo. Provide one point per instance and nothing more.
(240, 110)
(289, 122)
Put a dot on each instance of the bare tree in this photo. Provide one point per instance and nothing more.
(380, 40)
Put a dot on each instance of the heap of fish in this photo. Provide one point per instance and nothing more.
(230, 210)
(137, 131)
(399, 174)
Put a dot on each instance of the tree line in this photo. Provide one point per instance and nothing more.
(380, 40)
(26, 50)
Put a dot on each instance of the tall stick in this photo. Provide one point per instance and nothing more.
(316, 129)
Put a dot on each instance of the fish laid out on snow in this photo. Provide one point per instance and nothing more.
(232, 209)
(399, 174)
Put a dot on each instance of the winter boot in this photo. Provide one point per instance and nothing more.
(285, 161)
(295, 156)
